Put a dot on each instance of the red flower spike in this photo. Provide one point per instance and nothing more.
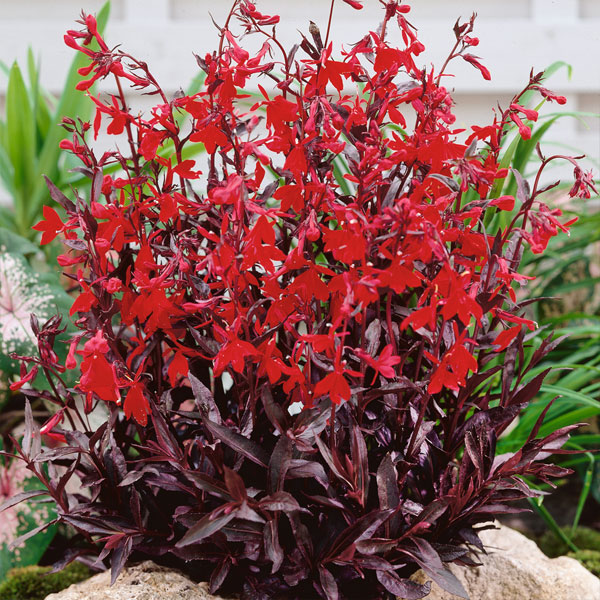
(524, 131)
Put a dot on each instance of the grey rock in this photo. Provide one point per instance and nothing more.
(516, 569)
(145, 581)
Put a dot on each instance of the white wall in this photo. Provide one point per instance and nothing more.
(515, 35)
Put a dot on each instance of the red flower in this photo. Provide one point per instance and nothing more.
(136, 404)
(25, 377)
(473, 60)
(98, 376)
(51, 226)
(384, 364)
(335, 386)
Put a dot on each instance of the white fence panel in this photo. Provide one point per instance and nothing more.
(516, 35)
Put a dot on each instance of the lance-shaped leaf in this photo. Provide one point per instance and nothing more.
(238, 442)
(363, 527)
(208, 525)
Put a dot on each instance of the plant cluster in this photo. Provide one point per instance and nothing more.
(310, 345)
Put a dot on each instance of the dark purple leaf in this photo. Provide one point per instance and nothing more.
(119, 557)
(207, 484)
(21, 498)
(355, 532)
(471, 537)
(279, 464)
(235, 485)
(23, 538)
(328, 584)
(273, 549)
(58, 196)
(69, 556)
(281, 501)
(523, 191)
(360, 460)
(218, 576)
(65, 478)
(376, 545)
(51, 454)
(274, 411)
(403, 588)
(90, 525)
(165, 438)
(373, 336)
(335, 468)
(508, 371)
(325, 501)
(428, 559)
(204, 399)
(389, 495)
(206, 527)
(238, 442)
(527, 392)
(301, 469)
(311, 422)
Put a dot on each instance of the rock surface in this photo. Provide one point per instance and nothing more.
(145, 581)
(516, 569)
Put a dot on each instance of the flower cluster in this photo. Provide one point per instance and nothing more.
(322, 255)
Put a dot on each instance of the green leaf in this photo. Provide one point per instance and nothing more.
(42, 114)
(542, 511)
(20, 144)
(11, 242)
(576, 397)
(7, 174)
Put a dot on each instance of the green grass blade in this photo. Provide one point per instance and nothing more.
(542, 511)
(41, 112)
(585, 491)
(20, 134)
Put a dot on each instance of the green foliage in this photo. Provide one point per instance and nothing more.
(35, 583)
(584, 538)
(30, 136)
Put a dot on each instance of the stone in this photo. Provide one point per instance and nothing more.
(145, 581)
(516, 569)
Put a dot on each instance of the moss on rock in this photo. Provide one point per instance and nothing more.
(33, 583)
(585, 538)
